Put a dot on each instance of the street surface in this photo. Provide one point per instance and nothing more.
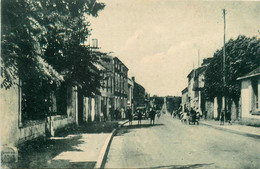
(170, 144)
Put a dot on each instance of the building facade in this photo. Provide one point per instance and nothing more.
(120, 84)
(107, 87)
(139, 95)
(130, 95)
(250, 93)
(184, 99)
(16, 129)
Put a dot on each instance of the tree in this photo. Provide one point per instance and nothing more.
(242, 56)
(33, 37)
(41, 46)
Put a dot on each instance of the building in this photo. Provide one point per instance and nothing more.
(184, 99)
(17, 129)
(139, 95)
(195, 89)
(250, 93)
(130, 95)
(107, 87)
(192, 94)
(120, 84)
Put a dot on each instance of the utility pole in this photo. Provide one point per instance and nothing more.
(224, 62)
(198, 58)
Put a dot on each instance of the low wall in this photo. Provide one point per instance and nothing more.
(31, 132)
(36, 130)
(60, 122)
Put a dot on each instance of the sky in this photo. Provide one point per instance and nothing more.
(160, 40)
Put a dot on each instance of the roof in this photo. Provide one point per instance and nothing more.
(255, 72)
(116, 58)
(184, 90)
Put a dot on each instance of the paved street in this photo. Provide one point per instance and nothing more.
(169, 144)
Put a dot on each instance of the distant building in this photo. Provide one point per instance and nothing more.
(250, 93)
(139, 94)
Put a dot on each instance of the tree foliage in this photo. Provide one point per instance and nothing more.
(40, 39)
(42, 47)
(242, 56)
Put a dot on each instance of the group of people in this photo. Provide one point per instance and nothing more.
(119, 114)
(151, 114)
(192, 116)
(225, 115)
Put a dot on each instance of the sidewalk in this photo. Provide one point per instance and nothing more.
(74, 149)
(234, 128)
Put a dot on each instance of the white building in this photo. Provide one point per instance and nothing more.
(250, 92)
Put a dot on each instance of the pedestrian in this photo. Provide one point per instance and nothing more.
(158, 114)
(117, 113)
(205, 114)
(228, 117)
(152, 115)
(105, 116)
(183, 117)
(198, 114)
(130, 116)
(222, 117)
(122, 113)
(139, 116)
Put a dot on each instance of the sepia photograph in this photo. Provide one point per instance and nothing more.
(134, 84)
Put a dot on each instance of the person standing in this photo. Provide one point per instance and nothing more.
(122, 113)
(222, 118)
(139, 115)
(130, 116)
(228, 117)
(152, 116)
(117, 113)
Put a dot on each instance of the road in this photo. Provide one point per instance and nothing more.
(170, 144)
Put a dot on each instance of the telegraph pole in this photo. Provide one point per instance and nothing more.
(198, 58)
(224, 62)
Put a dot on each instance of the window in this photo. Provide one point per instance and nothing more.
(255, 99)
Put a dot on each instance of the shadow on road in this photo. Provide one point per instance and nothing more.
(39, 153)
(127, 129)
(183, 166)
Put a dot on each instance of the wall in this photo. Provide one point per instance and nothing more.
(12, 134)
(31, 132)
(246, 90)
(9, 100)
(209, 107)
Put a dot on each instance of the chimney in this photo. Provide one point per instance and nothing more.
(133, 78)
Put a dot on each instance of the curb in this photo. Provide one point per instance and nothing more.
(231, 131)
(105, 149)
